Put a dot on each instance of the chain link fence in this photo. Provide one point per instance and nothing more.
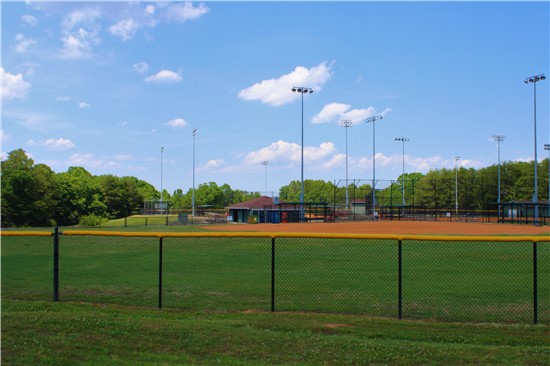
(467, 279)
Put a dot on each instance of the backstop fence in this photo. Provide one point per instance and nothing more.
(444, 278)
(462, 199)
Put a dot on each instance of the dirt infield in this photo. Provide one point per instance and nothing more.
(392, 227)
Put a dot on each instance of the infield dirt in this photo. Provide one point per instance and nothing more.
(392, 227)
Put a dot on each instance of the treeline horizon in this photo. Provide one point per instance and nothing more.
(33, 195)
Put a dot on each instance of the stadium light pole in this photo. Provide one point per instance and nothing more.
(498, 139)
(372, 120)
(403, 140)
(457, 158)
(265, 163)
(547, 147)
(346, 123)
(193, 192)
(302, 90)
(534, 80)
(161, 189)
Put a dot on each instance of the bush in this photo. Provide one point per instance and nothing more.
(92, 220)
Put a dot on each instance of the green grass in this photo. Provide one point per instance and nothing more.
(46, 333)
(468, 281)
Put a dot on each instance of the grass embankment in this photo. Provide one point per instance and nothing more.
(71, 334)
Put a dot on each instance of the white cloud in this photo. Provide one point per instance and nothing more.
(150, 9)
(178, 122)
(277, 92)
(181, 12)
(339, 111)
(29, 19)
(13, 86)
(140, 67)
(282, 151)
(63, 98)
(330, 112)
(78, 41)
(84, 105)
(23, 43)
(214, 164)
(164, 76)
(125, 29)
(336, 161)
(53, 144)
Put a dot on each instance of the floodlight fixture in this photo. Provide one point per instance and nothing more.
(302, 90)
(533, 80)
(372, 120)
(403, 140)
(346, 123)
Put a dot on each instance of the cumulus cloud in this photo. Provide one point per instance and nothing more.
(23, 43)
(339, 111)
(277, 92)
(164, 76)
(13, 85)
(178, 122)
(125, 29)
(53, 144)
(84, 105)
(282, 151)
(214, 164)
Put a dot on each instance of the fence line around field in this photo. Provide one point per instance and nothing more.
(365, 273)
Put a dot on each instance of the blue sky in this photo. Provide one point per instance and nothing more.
(105, 85)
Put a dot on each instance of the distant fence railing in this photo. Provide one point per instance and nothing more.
(447, 278)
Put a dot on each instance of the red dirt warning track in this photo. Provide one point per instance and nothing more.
(392, 227)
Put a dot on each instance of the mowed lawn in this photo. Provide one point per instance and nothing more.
(46, 333)
(463, 281)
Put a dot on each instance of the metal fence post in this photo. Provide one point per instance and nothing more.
(535, 291)
(272, 274)
(399, 280)
(56, 264)
(160, 274)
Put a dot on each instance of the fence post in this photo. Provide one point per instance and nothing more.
(399, 280)
(56, 264)
(160, 274)
(272, 274)
(535, 291)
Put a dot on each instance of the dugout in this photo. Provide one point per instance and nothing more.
(521, 212)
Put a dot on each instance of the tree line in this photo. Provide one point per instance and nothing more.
(34, 195)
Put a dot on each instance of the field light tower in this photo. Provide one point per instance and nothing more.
(302, 90)
(498, 139)
(457, 158)
(547, 147)
(403, 140)
(193, 194)
(346, 123)
(161, 189)
(534, 80)
(372, 120)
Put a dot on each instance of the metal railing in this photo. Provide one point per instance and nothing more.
(447, 278)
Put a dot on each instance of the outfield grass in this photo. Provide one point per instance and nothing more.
(466, 281)
(48, 333)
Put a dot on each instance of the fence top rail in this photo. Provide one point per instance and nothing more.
(26, 233)
(274, 235)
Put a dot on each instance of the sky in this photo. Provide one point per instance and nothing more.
(119, 87)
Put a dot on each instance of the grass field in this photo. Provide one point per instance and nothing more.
(48, 333)
(465, 281)
(216, 301)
